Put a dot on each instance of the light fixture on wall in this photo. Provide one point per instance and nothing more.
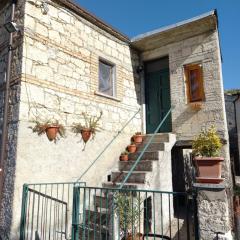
(139, 69)
(45, 8)
(11, 27)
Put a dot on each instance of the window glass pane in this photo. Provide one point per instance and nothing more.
(105, 78)
(194, 84)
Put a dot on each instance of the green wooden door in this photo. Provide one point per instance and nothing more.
(158, 100)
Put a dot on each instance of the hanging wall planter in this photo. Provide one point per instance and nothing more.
(53, 129)
(89, 128)
(86, 134)
(206, 148)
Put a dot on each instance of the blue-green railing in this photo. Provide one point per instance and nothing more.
(108, 145)
(47, 210)
(114, 214)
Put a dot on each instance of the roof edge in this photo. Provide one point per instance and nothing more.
(175, 25)
(93, 19)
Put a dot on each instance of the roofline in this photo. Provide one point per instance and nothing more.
(172, 26)
(93, 19)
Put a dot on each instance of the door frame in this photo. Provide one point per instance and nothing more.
(143, 63)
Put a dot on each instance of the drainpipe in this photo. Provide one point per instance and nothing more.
(4, 139)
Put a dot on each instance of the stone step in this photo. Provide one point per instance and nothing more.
(126, 185)
(159, 137)
(144, 165)
(102, 201)
(152, 147)
(135, 177)
(96, 217)
(93, 231)
(154, 155)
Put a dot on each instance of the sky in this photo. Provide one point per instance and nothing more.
(133, 17)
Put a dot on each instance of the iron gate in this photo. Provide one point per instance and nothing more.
(104, 213)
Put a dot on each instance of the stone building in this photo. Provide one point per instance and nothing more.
(59, 57)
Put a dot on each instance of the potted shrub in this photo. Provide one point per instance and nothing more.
(129, 211)
(206, 148)
(124, 156)
(132, 148)
(89, 128)
(53, 129)
(138, 138)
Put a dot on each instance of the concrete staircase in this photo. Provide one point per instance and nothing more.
(145, 176)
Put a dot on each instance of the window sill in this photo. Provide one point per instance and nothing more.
(107, 96)
(196, 105)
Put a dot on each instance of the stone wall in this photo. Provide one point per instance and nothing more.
(59, 81)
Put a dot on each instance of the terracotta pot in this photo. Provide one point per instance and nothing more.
(132, 148)
(51, 132)
(209, 169)
(137, 236)
(124, 157)
(86, 134)
(138, 139)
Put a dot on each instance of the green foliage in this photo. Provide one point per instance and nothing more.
(128, 209)
(125, 152)
(233, 91)
(207, 143)
(40, 127)
(90, 122)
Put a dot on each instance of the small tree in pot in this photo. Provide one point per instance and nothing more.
(206, 149)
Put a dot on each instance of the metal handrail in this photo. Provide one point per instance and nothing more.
(106, 147)
(145, 148)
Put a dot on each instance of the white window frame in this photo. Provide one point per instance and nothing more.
(113, 67)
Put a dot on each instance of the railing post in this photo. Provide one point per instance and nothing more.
(75, 213)
(23, 211)
(195, 213)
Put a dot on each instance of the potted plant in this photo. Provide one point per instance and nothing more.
(206, 148)
(128, 209)
(138, 138)
(89, 128)
(132, 148)
(53, 129)
(124, 156)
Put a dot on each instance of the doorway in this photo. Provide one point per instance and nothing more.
(157, 95)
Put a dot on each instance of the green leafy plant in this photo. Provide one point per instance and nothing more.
(90, 123)
(128, 209)
(207, 143)
(41, 127)
(125, 152)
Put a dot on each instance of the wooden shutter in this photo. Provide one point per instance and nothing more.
(194, 80)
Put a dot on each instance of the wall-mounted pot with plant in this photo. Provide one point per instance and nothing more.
(89, 128)
(138, 138)
(206, 150)
(52, 128)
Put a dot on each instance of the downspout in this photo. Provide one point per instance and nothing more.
(4, 139)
